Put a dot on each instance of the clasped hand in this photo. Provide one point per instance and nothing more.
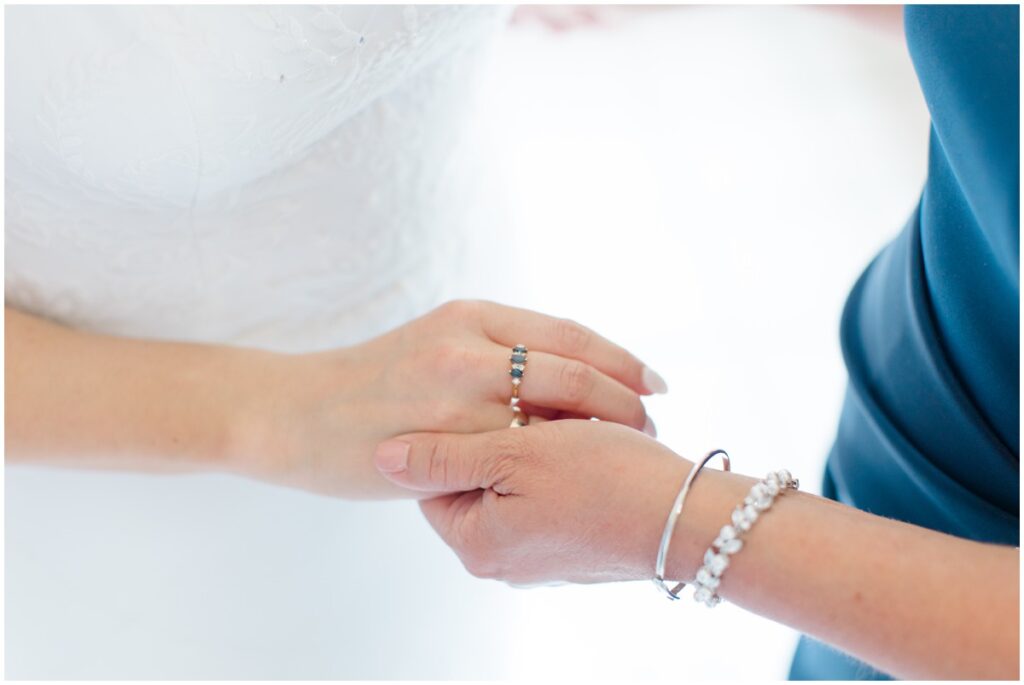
(312, 420)
(577, 501)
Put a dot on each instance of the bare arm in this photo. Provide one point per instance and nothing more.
(586, 502)
(911, 601)
(304, 420)
(79, 399)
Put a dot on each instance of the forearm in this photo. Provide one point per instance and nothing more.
(308, 421)
(81, 399)
(586, 501)
(910, 601)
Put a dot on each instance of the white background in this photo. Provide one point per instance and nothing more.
(703, 186)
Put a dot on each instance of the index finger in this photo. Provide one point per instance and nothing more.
(513, 326)
(445, 511)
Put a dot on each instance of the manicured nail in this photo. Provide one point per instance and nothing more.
(653, 382)
(392, 456)
(649, 428)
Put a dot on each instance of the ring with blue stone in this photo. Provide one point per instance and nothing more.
(518, 360)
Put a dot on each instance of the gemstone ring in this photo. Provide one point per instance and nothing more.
(518, 359)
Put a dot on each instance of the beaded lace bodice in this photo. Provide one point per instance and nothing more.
(288, 176)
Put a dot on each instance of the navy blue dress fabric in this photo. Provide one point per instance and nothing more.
(930, 426)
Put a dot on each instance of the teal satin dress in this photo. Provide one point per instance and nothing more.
(930, 427)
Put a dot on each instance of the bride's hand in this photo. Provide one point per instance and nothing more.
(321, 414)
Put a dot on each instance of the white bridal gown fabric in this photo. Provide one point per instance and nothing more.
(287, 177)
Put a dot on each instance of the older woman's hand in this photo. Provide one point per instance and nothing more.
(578, 501)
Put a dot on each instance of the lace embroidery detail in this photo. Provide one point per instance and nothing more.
(284, 176)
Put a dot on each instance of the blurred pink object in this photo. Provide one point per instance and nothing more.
(561, 18)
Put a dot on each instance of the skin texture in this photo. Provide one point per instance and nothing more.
(308, 421)
(585, 502)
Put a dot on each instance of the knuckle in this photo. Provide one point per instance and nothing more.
(459, 310)
(639, 413)
(573, 337)
(577, 381)
(452, 358)
(628, 366)
(438, 459)
(507, 451)
(509, 447)
(519, 453)
(509, 444)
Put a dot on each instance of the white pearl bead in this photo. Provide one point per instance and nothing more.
(740, 520)
(717, 564)
(706, 579)
(731, 546)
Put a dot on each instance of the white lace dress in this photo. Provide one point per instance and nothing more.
(286, 177)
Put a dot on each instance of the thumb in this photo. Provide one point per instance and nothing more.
(447, 462)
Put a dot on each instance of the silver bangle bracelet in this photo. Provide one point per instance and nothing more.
(670, 524)
(730, 539)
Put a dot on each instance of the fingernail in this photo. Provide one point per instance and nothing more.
(654, 382)
(649, 428)
(392, 456)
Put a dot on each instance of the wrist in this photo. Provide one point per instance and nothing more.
(260, 395)
(713, 494)
(300, 420)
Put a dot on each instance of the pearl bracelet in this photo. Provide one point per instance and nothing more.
(730, 538)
